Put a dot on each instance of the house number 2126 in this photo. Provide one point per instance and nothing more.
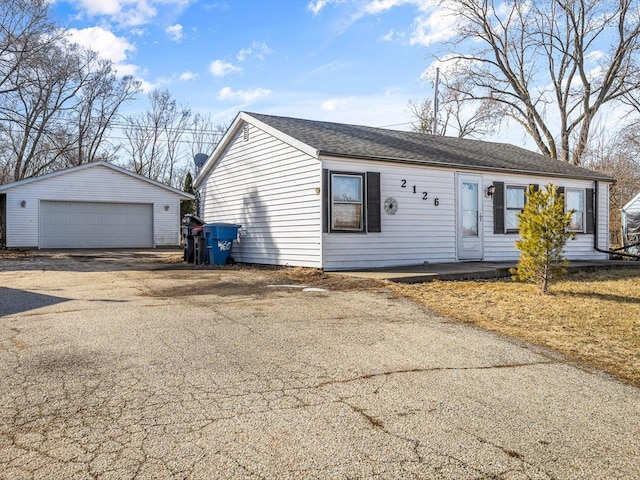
(425, 195)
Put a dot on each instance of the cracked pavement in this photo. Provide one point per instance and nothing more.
(137, 372)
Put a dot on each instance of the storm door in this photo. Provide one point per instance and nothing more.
(469, 217)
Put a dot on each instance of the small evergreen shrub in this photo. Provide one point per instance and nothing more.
(543, 234)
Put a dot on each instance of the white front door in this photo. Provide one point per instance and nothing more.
(469, 217)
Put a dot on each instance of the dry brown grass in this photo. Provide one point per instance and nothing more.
(318, 278)
(592, 318)
(13, 253)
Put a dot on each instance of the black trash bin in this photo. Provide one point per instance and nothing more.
(191, 229)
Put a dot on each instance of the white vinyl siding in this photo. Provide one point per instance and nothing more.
(501, 247)
(272, 185)
(418, 232)
(272, 190)
(94, 184)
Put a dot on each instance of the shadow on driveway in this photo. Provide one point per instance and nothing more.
(86, 260)
(18, 301)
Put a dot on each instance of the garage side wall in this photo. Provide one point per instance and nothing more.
(95, 184)
(273, 190)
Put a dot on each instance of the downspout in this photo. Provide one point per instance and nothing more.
(595, 230)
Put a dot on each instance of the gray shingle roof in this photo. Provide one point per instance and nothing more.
(357, 141)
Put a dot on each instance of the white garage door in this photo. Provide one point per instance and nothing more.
(95, 225)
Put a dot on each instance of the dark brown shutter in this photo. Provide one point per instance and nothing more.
(374, 223)
(325, 200)
(560, 191)
(589, 211)
(534, 187)
(498, 207)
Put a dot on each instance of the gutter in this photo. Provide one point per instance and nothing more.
(595, 232)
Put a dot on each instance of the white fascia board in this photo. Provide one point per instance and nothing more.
(631, 202)
(238, 122)
(124, 171)
(274, 132)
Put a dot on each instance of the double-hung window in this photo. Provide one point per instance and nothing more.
(347, 202)
(574, 200)
(514, 204)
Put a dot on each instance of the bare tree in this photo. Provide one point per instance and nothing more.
(205, 134)
(95, 111)
(549, 62)
(26, 30)
(33, 116)
(458, 111)
(57, 99)
(154, 136)
(618, 156)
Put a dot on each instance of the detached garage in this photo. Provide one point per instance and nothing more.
(97, 205)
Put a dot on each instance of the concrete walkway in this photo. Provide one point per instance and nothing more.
(470, 270)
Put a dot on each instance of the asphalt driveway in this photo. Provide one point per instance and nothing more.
(128, 368)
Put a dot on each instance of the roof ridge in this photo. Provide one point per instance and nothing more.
(382, 144)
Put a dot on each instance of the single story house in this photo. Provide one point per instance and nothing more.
(337, 196)
(96, 205)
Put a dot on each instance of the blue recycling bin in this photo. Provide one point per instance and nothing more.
(219, 238)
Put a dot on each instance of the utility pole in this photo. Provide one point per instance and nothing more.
(435, 103)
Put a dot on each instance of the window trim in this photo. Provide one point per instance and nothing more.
(362, 203)
(525, 189)
(582, 192)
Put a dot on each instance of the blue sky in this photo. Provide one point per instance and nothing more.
(352, 61)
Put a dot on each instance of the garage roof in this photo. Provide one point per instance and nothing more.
(9, 186)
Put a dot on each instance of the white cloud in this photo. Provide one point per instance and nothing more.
(218, 68)
(449, 66)
(375, 7)
(175, 32)
(245, 96)
(335, 104)
(436, 26)
(104, 42)
(127, 12)
(384, 108)
(317, 5)
(392, 35)
(431, 24)
(257, 50)
(186, 76)
(595, 56)
(103, 7)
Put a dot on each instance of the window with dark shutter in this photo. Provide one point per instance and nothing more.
(498, 207)
(325, 200)
(574, 201)
(515, 198)
(374, 223)
(351, 202)
(590, 213)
